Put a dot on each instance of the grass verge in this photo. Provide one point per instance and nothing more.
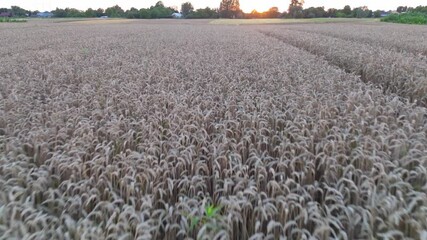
(283, 21)
(15, 20)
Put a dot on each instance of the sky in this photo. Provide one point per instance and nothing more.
(245, 5)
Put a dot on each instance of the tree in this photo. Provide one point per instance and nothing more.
(272, 13)
(295, 12)
(144, 13)
(59, 13)
(34, 13)
(156, 13)
(295, 9)
(159, 4)
(347, 11)
(320, 12)
(332, 12)
(402, 9)
(160, 11)
(362, 12)
(74, 13)
(230, 9)
(204, 13)
(114, 11)
(186, 8)
(132, 13)
(422, 9)
(99, 12)
(90, 13)
(295, 3)
(174, 8)
(312, 12)
(377, 14)
(18, 12)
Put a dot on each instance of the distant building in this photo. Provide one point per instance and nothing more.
(45, 14)
(5, 14)
(177, 15)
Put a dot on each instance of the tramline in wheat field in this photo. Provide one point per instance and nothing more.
(170, 129)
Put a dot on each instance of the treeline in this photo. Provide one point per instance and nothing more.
(407, 15)
(296, 11)
(419, 9)
(318, 12)
(157, 11)
(227, 9)
(16, 11)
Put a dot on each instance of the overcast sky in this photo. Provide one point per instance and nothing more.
(246, 5)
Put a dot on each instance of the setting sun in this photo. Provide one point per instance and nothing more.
(259, 6)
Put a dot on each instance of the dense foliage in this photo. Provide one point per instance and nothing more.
(320, 12)
(187, 8)
(15, 11)
(230, 9)
(421, 9)
(204, 13)
(407, 18)
(156, 11)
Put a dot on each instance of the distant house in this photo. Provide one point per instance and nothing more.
(177, 15)
(5, 14)
(45, 14)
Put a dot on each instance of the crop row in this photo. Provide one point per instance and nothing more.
(397, 37)
(395, 72)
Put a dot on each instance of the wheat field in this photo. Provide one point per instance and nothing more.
(170, 129)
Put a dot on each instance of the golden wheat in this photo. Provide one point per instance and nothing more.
(176, 130)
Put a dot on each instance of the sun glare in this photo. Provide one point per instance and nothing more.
(259, 6)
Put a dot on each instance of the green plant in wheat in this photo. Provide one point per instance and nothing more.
(208, 222)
